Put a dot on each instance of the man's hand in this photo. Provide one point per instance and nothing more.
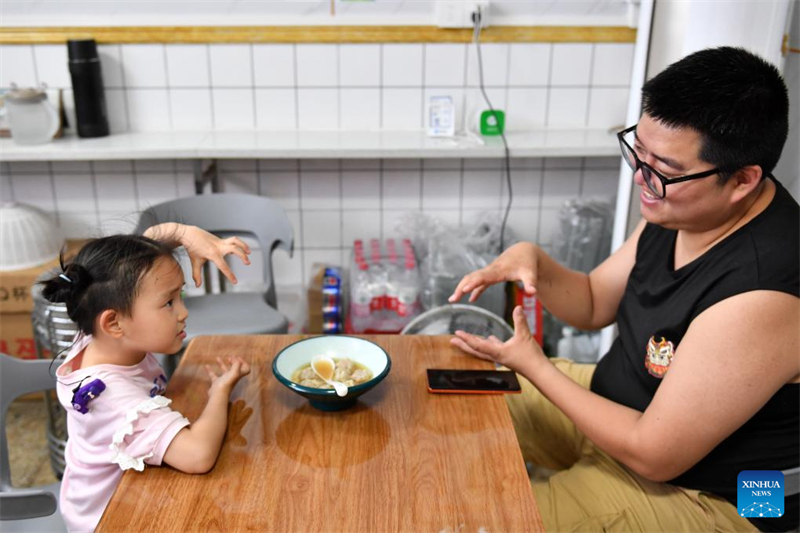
(518, 263)
(518, 352)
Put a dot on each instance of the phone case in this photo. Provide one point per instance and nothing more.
(465, 391)
(435, 390)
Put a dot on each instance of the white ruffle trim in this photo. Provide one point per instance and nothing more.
(124, 460)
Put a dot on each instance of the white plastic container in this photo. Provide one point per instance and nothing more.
(28, 237)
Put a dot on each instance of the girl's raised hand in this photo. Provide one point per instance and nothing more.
(233, 369)
(202, 246)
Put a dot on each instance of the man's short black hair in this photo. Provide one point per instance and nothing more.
(735, 100)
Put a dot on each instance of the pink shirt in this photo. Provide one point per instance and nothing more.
(128, 424)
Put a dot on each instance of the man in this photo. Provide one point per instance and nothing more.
(702, 381)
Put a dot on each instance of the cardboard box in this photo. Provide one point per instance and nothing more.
(16, 335)
(314, 293)
(15, 285)
(16, 304)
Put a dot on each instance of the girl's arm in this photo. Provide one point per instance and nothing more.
(194, 450)
(202, 246)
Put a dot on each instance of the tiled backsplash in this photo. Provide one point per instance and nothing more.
(329, 202)
(152, 87)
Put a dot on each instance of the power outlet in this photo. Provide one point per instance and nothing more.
(458, 13)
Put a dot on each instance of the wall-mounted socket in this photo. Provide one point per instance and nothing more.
(458, 13)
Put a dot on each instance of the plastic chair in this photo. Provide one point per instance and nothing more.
(446, 319)
(226, 215)
(24, 509)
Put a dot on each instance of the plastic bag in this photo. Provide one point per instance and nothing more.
(583, 240)
(447, 253)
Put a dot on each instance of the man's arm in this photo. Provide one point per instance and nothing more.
(732, 360)
(587, 301)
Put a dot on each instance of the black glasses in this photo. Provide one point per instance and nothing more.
(656, 183)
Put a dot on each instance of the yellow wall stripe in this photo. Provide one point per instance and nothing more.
(316, 34)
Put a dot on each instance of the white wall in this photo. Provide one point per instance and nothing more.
(329, 202)
(680, 28)
(788, 169)
(301, 12)
(156, 87)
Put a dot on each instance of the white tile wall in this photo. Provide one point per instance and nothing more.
(571, 64)
(402, 65)
(191, 109)
(148, 109)
(234, 109)
(111, 65)
(402, 109)
(19, 66)
(359, 65)
(231, 65)
(495, 62)
(444, 64)
(187, 65)
(529, 64)
(275, 109)
(52, 64)
(318, 109)
(317, 65)
(274, 65)
(360, 109)
(316, 83)
(286, 86)
(327, 213)
(144, 65)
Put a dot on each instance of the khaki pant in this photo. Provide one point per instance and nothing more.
(592, 491)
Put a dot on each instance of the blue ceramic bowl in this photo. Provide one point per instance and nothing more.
(361, 351)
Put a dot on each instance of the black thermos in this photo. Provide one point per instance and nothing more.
(87, 88)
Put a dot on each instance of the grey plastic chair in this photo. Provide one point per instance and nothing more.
(24, 509)
(226, 215)
(446, 319)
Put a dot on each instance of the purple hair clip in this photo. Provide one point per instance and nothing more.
(83, 395)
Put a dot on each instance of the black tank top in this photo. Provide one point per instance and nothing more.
(659, 304)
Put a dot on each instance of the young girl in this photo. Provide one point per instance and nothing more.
(124, 293)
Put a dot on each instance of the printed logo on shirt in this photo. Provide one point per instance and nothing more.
(159, 385)
(760, 493)
(659, 356)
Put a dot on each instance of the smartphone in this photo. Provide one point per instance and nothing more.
(472, 381)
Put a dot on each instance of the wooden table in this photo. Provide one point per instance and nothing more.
(402, 459)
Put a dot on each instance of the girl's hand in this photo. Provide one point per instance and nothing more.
(202, 246)
(518, 263)
(518, 352)
(224, 382)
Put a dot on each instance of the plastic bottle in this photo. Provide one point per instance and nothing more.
(377, 278)
(360, 296)
(393, 273)
(408, 297)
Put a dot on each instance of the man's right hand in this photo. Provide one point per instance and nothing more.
(517, 263)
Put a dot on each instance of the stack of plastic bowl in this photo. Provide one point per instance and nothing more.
(28, 237)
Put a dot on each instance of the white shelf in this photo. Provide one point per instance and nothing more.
(308, 144)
